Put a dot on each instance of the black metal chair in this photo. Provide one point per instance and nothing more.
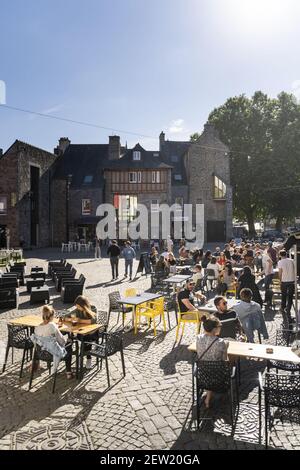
(281, 391)
(111, 343)
(102, 319)
(53, 264)
(284, 337)
(18, 337)
(9, 297)
(218, 377)
(115, 306)
(60, 269)
(40, 354)
(71, 288)
(61, 276)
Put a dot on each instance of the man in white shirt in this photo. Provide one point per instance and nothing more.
(287, 275)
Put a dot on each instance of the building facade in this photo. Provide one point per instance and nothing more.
(25, 176)
(47, 199)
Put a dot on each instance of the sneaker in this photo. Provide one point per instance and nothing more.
(88, 364)
(125, 275)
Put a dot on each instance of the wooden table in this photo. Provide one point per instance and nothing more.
(31, 321)
(138, 300)
(258, 351)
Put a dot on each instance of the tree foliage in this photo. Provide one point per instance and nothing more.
(263, 135)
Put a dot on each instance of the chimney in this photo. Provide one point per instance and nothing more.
(161, 139)
(114, 147)
(211, 131)
(63, 144)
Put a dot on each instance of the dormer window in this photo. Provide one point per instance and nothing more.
(88, 179)
(136, 155)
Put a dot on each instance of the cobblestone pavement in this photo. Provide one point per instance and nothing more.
(151, 408)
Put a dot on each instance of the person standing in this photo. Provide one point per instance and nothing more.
(272, 253)
(114, 253)
(287, 275)
(97, 248)
(129, 255)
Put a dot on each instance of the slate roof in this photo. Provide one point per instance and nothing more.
(174, 148)
(81, 160)
(149, 160)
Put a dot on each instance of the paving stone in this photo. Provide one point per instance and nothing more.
(150, 408)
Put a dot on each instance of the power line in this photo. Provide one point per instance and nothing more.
(97, 126)
(73, 121)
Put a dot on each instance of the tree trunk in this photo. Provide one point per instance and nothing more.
(279, 223)
(250, 221)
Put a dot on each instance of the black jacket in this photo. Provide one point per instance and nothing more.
(114, 250)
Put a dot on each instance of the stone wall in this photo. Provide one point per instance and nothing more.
(208, 157)
(8, 188)
(15, 178)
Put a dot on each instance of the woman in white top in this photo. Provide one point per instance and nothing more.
(49, 328)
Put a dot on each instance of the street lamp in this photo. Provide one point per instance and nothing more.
(68, 181)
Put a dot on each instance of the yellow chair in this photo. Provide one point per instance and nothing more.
(188, 317)
(232, 290)
(155, 309)
(131, 292)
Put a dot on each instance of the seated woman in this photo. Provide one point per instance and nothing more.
(247, 280)
(171, 263)
(206, 260)
(49, 329)
(85, 314)
(153, 256)
(210, 347)
(227, 280)
(161, 267)
(221, 261)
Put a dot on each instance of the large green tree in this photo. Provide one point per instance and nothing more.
(263, 138)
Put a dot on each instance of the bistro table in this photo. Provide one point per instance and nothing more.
(31, 321)
(177, 279)
(138, 300)
(210, 306)
(258, 351)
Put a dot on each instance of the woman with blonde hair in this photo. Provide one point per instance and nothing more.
(48, 329)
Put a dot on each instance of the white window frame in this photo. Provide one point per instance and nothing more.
(136, 155)
(134, 179)
(155, 176)
(178, 179)
(139, 177)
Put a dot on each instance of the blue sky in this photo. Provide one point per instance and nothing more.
(139, 65)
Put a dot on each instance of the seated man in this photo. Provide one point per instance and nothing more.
(186, 298)
(231, 326)
(250, 315)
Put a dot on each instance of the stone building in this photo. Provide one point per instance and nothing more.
(201, 175)
(25, 175)
(47, 199)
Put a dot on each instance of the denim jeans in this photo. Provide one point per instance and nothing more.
(287, 294)
(128, 263)
(114, 262)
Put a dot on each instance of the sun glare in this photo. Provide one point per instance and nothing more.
(259, 17)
